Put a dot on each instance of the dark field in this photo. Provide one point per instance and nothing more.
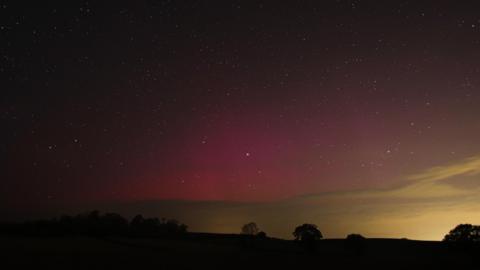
(205, 251)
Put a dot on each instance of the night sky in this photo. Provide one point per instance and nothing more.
(358, 116)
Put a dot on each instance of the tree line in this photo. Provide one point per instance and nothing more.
(95, 223)
(466, 233)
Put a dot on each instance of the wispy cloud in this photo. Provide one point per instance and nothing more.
(430, 182)
(424, 186)
(469, 166)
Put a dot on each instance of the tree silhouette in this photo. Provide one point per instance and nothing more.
(355, 243)
(355, 237)
(463, 233)
(138, 220)
(262, 235)
(99, 225)
(113, 223)
(307, 232)
(250, 229)
(141, 225)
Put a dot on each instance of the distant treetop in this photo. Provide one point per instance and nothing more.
(307, 232)
(250, 229)
(355, 236)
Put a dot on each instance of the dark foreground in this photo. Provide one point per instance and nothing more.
(203, 251)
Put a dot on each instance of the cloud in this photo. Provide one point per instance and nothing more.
(440, 182)
(469, 166)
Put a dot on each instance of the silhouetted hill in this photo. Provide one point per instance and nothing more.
(224, 251)
(109, 241)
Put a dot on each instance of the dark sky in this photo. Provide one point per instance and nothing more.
(343, 106)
